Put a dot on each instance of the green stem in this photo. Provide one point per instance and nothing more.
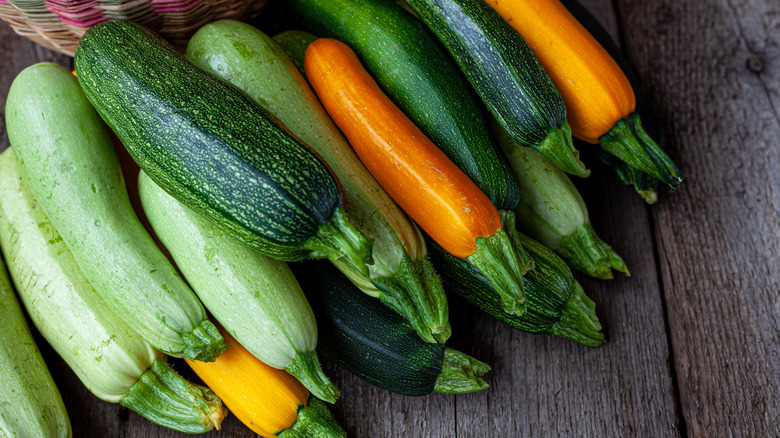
(644, 184)
(496, 259)
(321, 408)
(558, 147)
(460, 373)
(164, 397)
(295, 43)
(314, 421)
(338, 238)
(510, 227)
(578, 321)
(203, 343)
(306, 368)
(587, 253)
(417, 295)
(630, 143)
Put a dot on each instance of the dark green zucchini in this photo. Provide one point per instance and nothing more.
(216, 150)
(507, 76)
(374, 343)
(294, 44)
(418, 75)
(646, 185)
(556, 303)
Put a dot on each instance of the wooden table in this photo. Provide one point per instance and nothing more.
(693, 335)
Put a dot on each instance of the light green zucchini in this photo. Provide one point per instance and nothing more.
(114, 363)
(30, 404)
(69, 161)
(553, 212)
(401, 276)
(255, 298)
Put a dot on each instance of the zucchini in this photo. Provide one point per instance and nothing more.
(370, 341)
(294, 43)
(214, 148)
(275, 322)
(644, 184)
(507, 76)
(418, 75)
(30, 404)
(402, 276)
(552, 212)
(557, 305)
(70, 164)
(112, 361)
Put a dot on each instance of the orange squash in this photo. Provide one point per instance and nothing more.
(267, 400)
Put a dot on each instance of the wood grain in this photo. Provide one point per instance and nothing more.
(714, 71)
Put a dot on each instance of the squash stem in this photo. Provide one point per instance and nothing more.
(203, 343)
(460, 373)
(558, 147)
(306, 368)
(496, 259)
(644, 184)
(510, 227)
(578, 321)
(314, 421)
(629, 142)
(338, 238)
(164, 397)
(585, 251)
(417, 295)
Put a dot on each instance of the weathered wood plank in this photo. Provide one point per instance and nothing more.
(714, 68)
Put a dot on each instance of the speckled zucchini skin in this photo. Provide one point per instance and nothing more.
(365, 337)
(417, 73)
(30, 404)
(206, 142)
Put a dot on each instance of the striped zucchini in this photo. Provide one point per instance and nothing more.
(373, 343)
(254, 297)
(214, 148)
(506, 75)
(30, 404)
(552, 212)
(112, 361)
(402, 276)
(644, 184)
(557, 305)
(69, 161)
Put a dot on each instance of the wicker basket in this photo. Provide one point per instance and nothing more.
(58, 24)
